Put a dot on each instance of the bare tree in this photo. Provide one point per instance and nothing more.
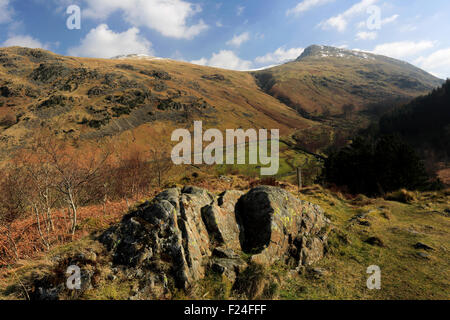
(133, 174)
(161, 161)
(73, 169)
(41, 177)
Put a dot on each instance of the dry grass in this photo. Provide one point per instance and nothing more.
(403, 196)
(29, 244)
(444, 175)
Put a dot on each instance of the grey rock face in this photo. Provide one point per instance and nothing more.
(183, 233)
(166, 235)
(420, 245)
(220, 220)
(276, 225)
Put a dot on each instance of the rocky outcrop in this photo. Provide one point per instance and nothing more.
(186, 234)
(220, 220)
(276, 225)
(183, 233)
(165, 236)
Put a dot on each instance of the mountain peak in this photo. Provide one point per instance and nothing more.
(136, 57)
(318, 51)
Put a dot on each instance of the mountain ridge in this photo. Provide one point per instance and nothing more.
(324, 79)
(324, 51)
(86, 98)
(81, 98)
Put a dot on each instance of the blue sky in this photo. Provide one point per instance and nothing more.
(240, 35)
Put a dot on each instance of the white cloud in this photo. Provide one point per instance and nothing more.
(389, 19)
(363, 35)
(306, 5)
(240, 10)
(280, 55)
(438, 63)
(408, 28)
(225, 59)
(402, 49)
(361, 24)
(102, 42)
(239, 39)
(169, 17)
(202, 61)
(24, 41)
(340, 21)
(5, 11)
(337, 22)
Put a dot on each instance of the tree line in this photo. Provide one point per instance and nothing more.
(424, 123)
(392, 153)
(376, 166)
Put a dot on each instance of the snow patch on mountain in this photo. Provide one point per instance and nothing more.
(326, 52)
(137, 57)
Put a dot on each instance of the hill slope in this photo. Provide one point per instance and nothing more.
(81, 99)
(325, 79)
(91, 98)
(424, 123)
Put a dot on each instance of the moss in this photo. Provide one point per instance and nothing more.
(214, 286)
(110, 290)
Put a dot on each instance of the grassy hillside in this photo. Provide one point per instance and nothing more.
(325, 79)
(83, 99)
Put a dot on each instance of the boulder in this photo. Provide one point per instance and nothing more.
(277, 226)
(184, 233)
(195, 237)
(220, 220)
(230, 268)
(420, 245)
(51, 285)
(375, 241)
(227, 262)
(49, 72)
(165, 236)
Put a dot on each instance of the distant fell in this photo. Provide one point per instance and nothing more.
(323, 80)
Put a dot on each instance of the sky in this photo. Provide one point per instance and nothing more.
(232, 34)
